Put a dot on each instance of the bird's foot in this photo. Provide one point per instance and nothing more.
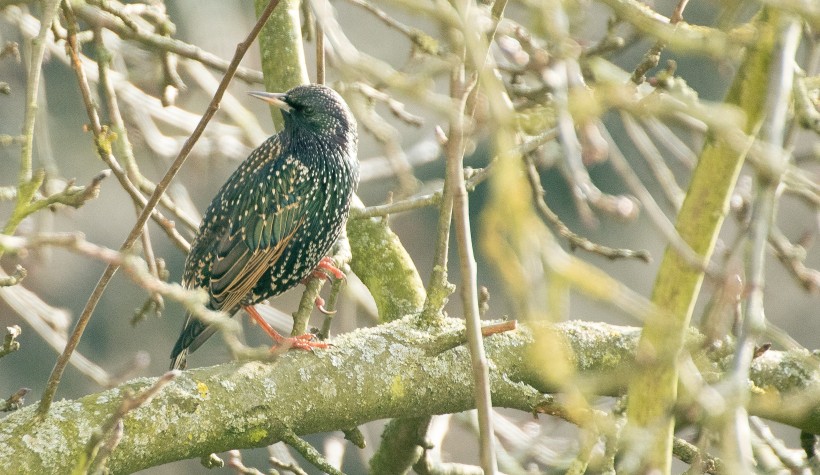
(301, 342)
(326, 268)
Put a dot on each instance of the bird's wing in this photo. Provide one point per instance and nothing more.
(233, 249)
(261, 226)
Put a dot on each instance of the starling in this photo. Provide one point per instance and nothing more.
(276, 217)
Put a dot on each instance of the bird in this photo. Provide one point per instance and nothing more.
(274, 220)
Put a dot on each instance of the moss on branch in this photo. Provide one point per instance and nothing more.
(391, 277)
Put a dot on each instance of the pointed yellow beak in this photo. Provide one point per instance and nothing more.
(276, 99)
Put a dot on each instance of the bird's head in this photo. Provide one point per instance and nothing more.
(312, 109)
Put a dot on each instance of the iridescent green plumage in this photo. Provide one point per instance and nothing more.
(278, 214)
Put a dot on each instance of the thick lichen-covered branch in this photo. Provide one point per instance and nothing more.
(678, 284)
(682, 36)
(253, 404)
(385, 267)
(283, 56)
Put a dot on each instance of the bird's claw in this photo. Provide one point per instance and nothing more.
(326, 268)
(300, 342)
(320, 304)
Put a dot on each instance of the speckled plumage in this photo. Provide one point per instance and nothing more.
(278, 214)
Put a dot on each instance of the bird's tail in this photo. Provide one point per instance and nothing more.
(193, 335)
(180, 360)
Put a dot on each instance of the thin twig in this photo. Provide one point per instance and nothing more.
(106, 439)
(103, 137)
(96, 17)
(96, 295)
(15, 278)
(145, 110)
(281, 458)
(658, 218)
(320, 55)
(473, 179)
(235, 462)
(575, 240)
(123, 147)
(10, 343)
(738, 455)
(308, 452)
(28, 182)
(389, 137)
(396, 107)
(663, 175)
(793, 257)
(680, 150)
(35, 68)
(51, 324)
(439, 289)
(420, 39)
(680, 36)
(454, 150)
(690, 454)
(790, 458)
(15, 401)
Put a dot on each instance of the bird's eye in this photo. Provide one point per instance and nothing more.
(308, 110)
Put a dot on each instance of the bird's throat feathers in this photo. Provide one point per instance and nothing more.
(332, 142)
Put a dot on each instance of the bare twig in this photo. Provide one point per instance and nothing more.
(390, 138)
(653, 56)
(473, 178)
(790, 458)
(10, 343)
(396, 107)
(15, 278)
(738, 452)
(308, 452)
(574, 239)
(680, 150)
(281, 458)
(102, 19)
(654, 158)
(107, 437)
(320, 55)
(235, 462)
(439, 289)
(657, 216)
(15, 401)
(793, 257)
(124, 149)
(690, 454)
(103, 137)
(50, 323)
(32, 88)
(680, 36)
(454, 150)
(422, 41)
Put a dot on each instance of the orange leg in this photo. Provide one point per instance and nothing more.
(302, 342)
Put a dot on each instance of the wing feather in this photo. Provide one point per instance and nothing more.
(278, 208)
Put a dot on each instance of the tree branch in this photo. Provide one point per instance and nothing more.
(677, 285)
(253, 404)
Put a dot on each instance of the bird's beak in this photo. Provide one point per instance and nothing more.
(276, 99)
